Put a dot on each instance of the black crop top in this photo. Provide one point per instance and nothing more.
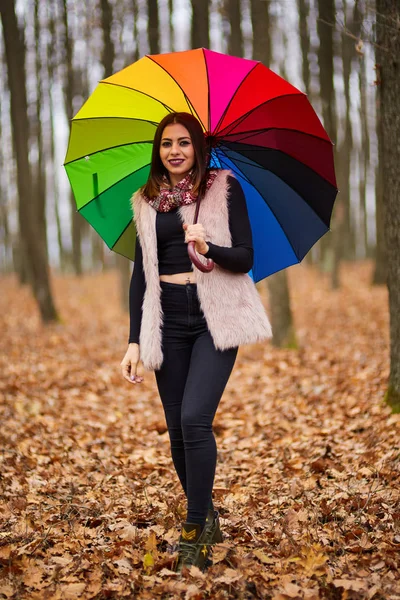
(173, 255)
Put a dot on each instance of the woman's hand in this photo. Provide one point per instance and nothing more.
(129, 364)
(196, 233)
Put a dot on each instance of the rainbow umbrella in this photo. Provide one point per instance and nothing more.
(257, 124)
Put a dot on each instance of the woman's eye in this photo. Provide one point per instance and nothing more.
(185, 143)
(165, 144)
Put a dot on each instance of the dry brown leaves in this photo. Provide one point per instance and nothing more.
(307, 481)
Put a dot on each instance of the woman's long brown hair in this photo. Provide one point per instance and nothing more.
(157, 169)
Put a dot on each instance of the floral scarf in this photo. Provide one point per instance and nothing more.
(180, 195)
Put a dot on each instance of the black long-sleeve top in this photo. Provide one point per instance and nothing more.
(173, 255)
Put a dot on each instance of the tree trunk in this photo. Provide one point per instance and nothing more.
(40, 188)
(260, 22)
(380, 273)
(69, 92)
(280, 311)
(235, 42)
(326, 13)
(153, 26)
(51, 69)
(108, 58)
(171, 26)
(135, 13)
(388, 36)
(364, 154)
(35, 251)
(303, 10)
(277, 285)
(200, 32)
(108, 46)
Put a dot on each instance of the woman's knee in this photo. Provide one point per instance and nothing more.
(194, 422)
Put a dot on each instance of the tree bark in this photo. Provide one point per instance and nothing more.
(388, 36)
(35, 252)
(69, 92)
(303, 10)
(380, 273)
(153, 26)
(280, 311)
(235, 42)
(364, 154)
(260, 22)
(200, 32)
(171, 26)
(326, 14)
(40, 191)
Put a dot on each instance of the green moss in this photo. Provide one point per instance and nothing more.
(392, 398)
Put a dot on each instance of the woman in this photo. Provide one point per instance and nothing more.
(187, 325)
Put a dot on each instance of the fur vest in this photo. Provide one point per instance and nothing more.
(230, 301)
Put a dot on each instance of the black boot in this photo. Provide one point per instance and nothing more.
(193, 547)
(213, 527)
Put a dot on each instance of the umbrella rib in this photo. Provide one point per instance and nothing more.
(298, 194)
(251, 132)
(276, 218)
(285, 182)
(233, 96)
(244, 116)
(180, 87)
(284, 154)
(108, 148)
(208, 92)
(240, 119)
(139, 92)
(282, 227)
(114, 117)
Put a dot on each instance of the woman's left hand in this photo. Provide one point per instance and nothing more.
(196, 233)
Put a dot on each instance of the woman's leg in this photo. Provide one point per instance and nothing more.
(171, 381)
(208, 374)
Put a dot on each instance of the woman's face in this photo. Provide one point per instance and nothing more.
(176, 151)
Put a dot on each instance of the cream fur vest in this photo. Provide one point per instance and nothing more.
(230, 301)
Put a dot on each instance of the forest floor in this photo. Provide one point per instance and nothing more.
(308, 471)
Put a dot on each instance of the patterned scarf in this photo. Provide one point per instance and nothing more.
(180, 194)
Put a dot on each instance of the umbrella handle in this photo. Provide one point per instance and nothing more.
(205, 268)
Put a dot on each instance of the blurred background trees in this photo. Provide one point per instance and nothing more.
(53, 52)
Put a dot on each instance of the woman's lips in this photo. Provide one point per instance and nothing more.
(177, 161)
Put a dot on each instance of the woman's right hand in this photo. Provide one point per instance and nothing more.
(130, 363)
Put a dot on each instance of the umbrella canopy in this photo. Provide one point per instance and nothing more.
(259, 125)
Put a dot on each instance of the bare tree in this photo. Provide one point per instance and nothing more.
(69, 85)
(326, 16)
(260, 22)
(200, 30)
(234, 16)
(388, 36)
(40, 191)
(303, 10)
(380, 272)
(108, 61)
(34, 249)
(153, 26)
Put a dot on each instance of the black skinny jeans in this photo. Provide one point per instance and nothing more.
(190, 382)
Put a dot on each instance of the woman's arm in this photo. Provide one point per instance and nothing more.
(239, 258)
(136, 293)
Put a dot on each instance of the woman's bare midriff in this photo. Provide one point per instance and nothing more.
(180, 278)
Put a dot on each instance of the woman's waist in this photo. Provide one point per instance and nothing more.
(179, 278)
